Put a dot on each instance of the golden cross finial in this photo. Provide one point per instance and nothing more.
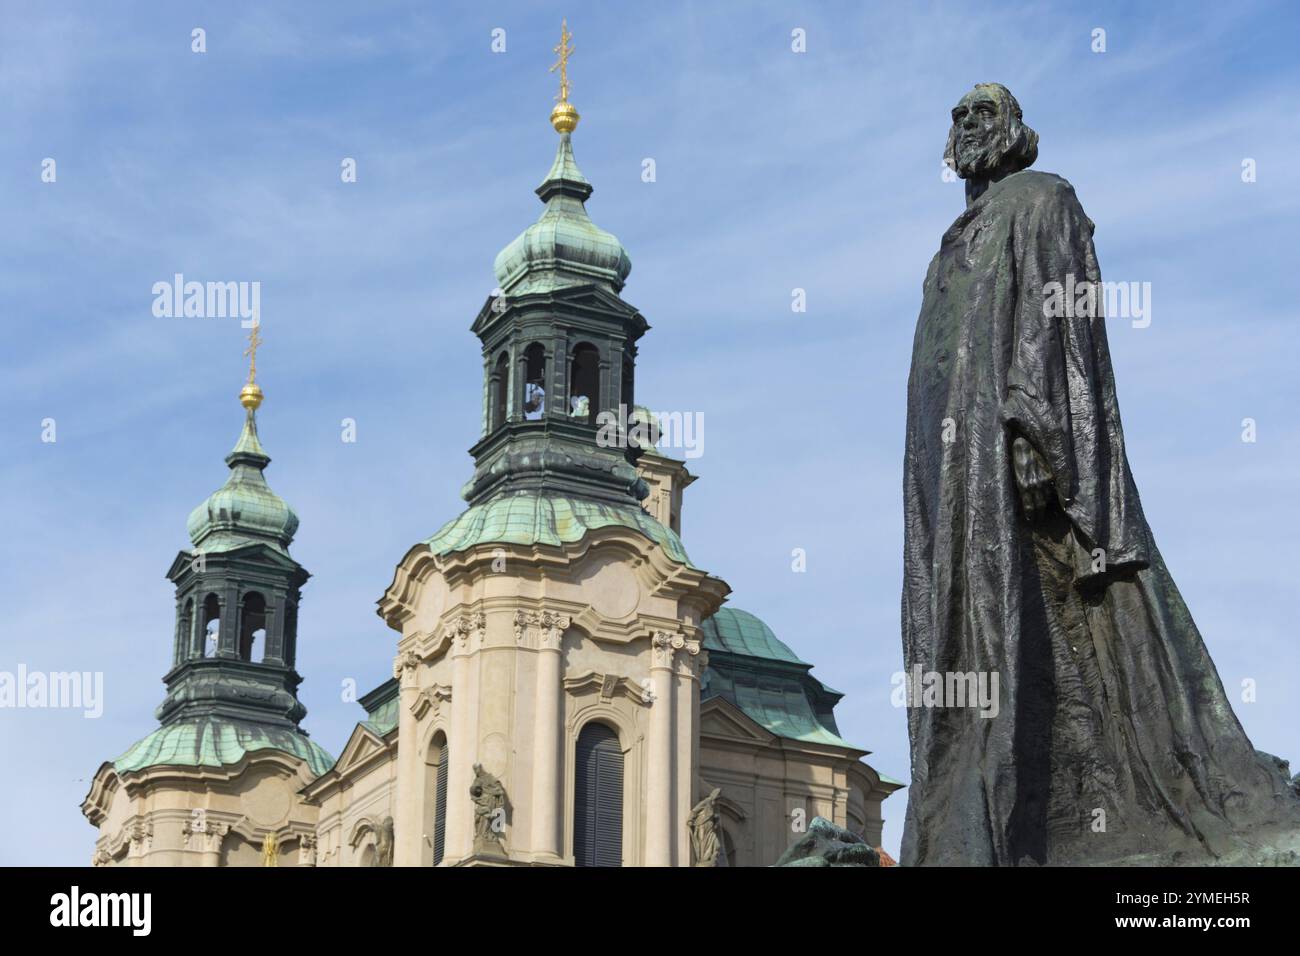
(250, 396)
(254, 340)
(564, 51)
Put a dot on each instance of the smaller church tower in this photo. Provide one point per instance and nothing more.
(217, 783)
(237, 597)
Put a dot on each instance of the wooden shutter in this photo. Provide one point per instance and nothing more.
(440, 806)
(598, 798)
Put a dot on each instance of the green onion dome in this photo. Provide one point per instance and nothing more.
(243, 510)
(563, 247)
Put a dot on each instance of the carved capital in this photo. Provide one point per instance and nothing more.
(540, 629)
(307, 849)
(689, 661)
(468, 626)
(405, 664)
(141, 838)
(524, 620)
(553, 628)
(664, 646)
(213, 835)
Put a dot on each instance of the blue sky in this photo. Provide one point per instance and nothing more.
(775, 171)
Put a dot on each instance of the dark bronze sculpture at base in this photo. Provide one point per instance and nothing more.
(1027, 558)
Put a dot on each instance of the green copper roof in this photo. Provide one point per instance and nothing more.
(564, 247)
(382, 717)
(564, 173)
(244, 509)
(739, 632)
(215, 742)
(781, 706)
(752, 669)
(530, 519)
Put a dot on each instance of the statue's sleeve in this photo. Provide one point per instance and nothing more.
(1060, 391)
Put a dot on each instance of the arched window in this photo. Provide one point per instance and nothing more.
(436, 797)
(211, 630)
(598, 798)
(584, 383)
(500, 390)
(252, 624)
(627, 383)
(534, 382)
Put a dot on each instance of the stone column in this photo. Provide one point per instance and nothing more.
(276, 608)
(557, 379)
(408, 797)
(197, 636)
(547, 793)
(614, 369)
(604, 400)
(488, 388)
(180, 645)
(659, 758)
(228, 634)
(462, 742)
(519, 385)
(688, 667)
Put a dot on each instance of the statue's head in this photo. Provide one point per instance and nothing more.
(988, 138)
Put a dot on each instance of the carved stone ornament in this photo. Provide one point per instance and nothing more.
(541, 629)
(405, 663)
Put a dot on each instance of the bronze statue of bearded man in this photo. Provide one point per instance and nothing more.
(1027, 555)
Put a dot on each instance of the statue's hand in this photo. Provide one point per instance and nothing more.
(1033, 479)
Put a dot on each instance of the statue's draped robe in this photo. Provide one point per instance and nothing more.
(1113, 734)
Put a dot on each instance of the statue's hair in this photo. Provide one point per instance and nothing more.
(1019, 147)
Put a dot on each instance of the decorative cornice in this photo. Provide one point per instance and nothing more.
(608, 686)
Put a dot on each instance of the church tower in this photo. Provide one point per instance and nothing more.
(216, 784)
(548, 670)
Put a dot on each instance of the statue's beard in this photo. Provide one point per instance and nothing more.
(978, 162)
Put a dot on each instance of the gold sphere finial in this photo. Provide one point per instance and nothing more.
(564, 117)
(250, 396)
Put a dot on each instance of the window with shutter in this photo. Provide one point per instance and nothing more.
(598, 798)
(440, 803)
